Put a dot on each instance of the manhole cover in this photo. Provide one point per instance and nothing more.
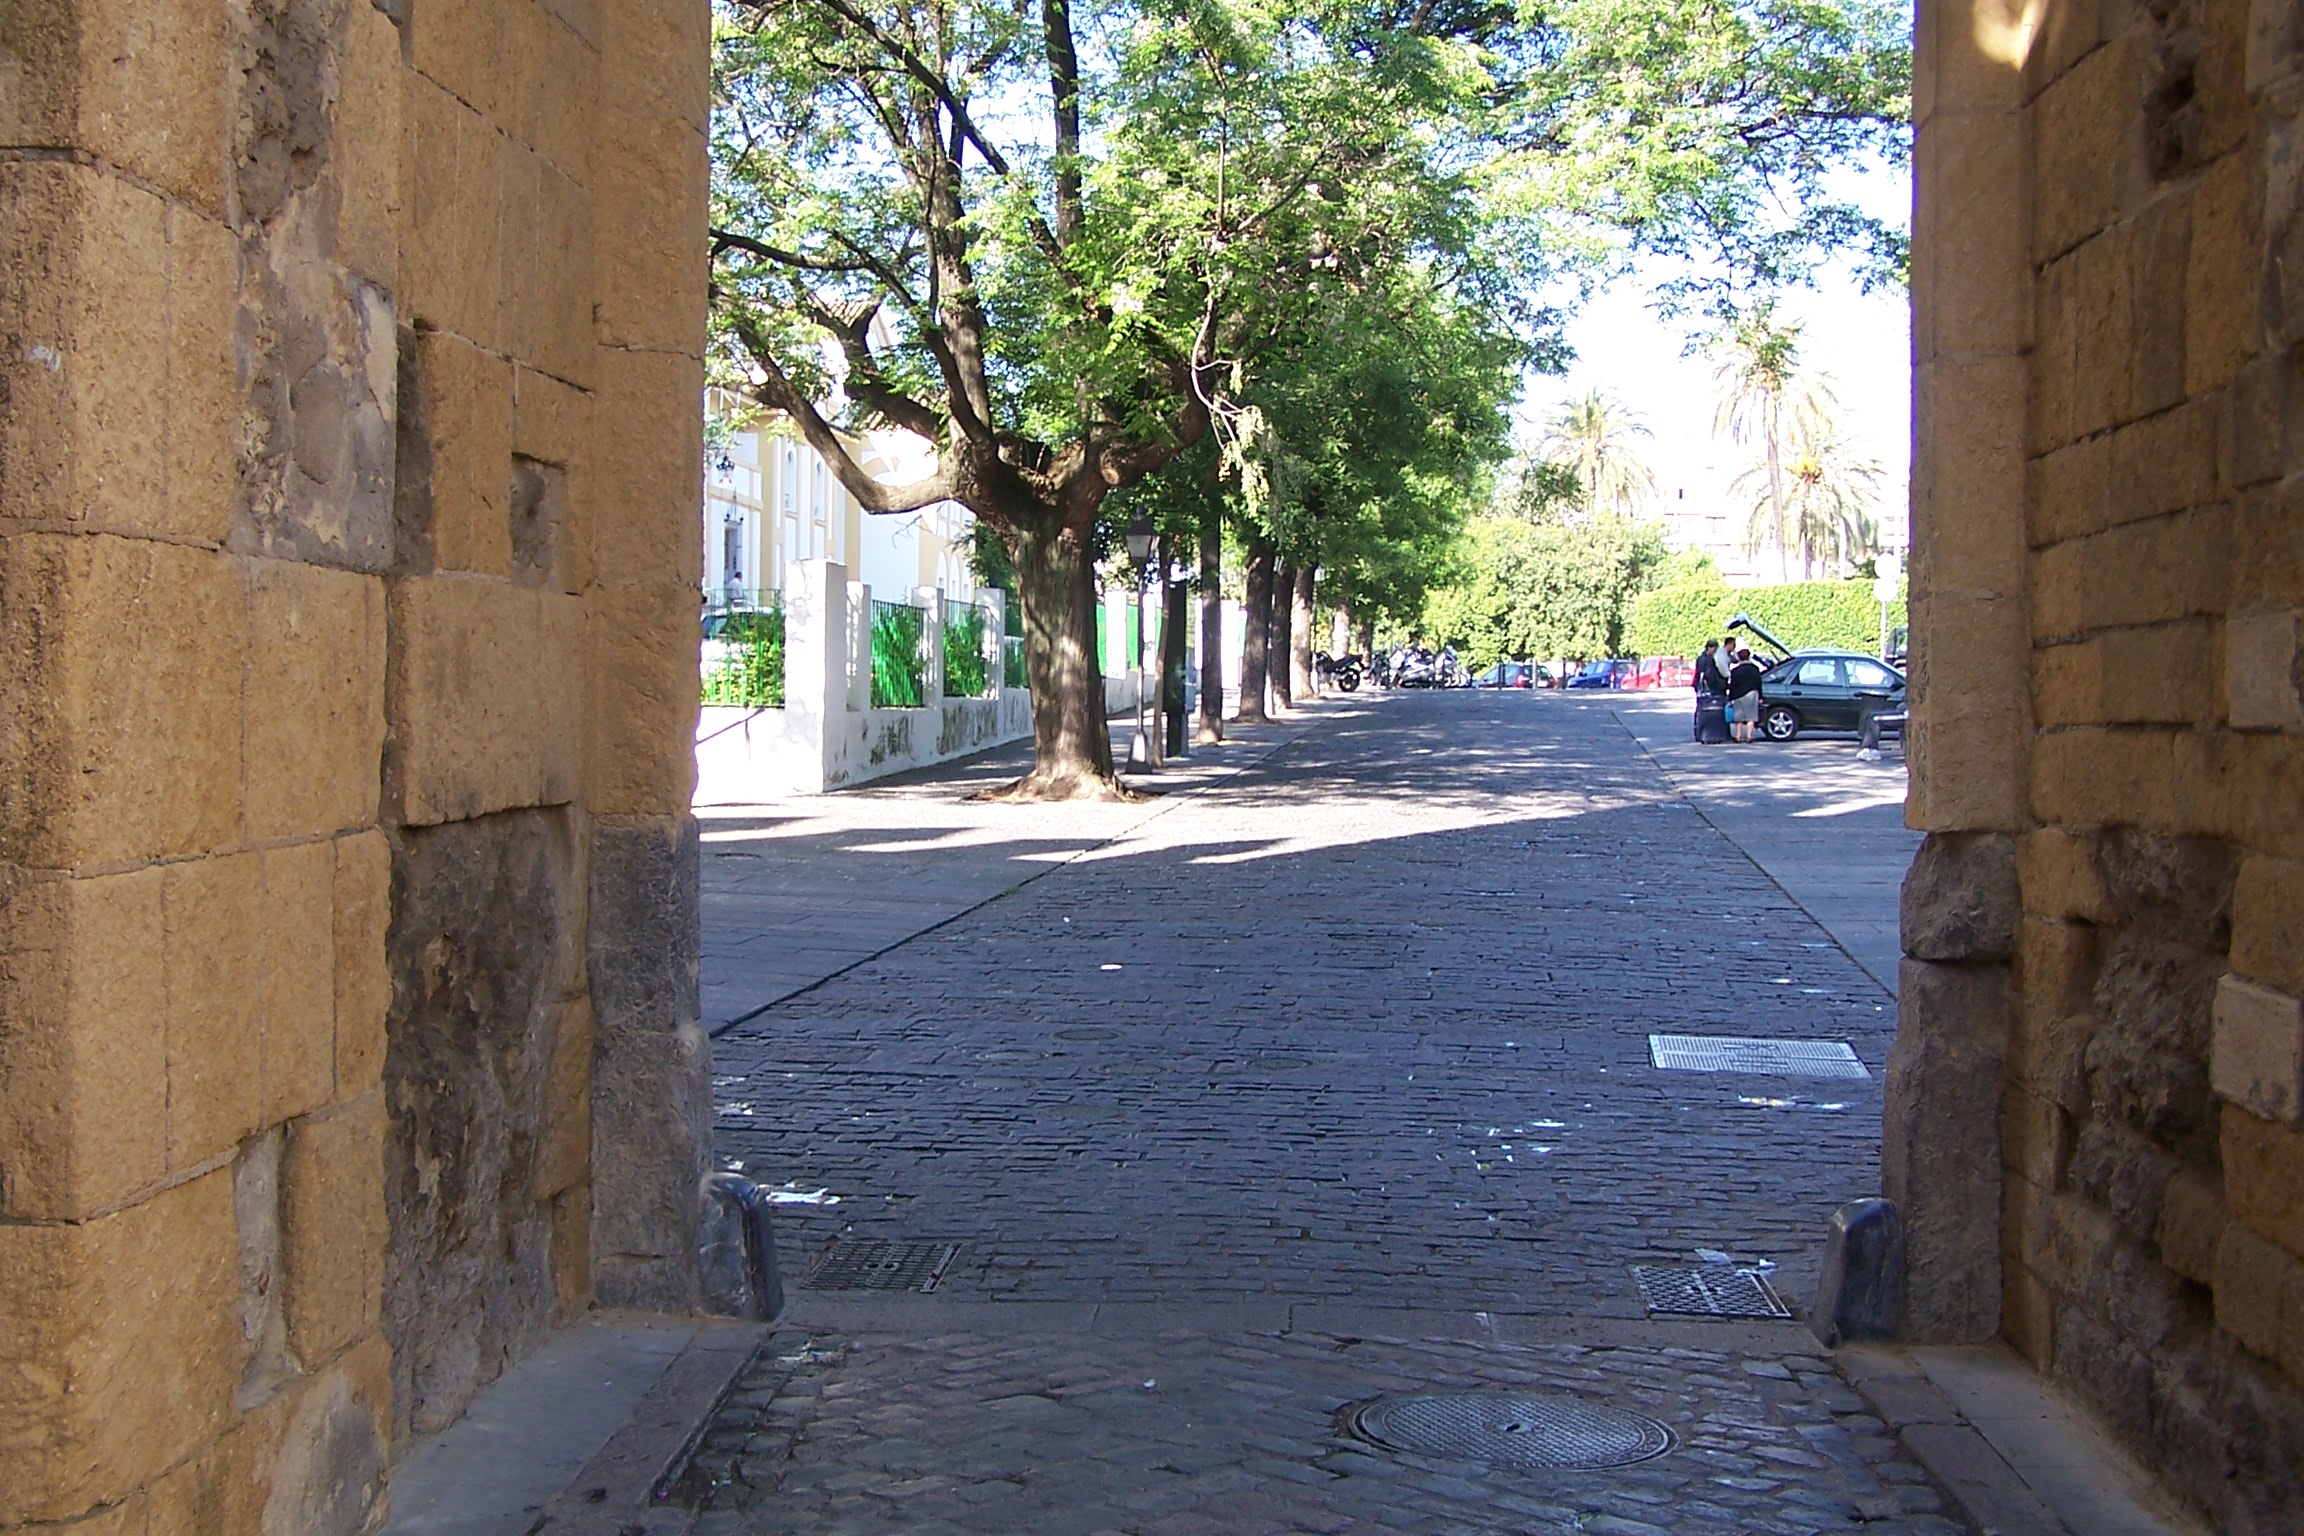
(1510, 1429)
(873, 1264)
(1777, 1058)
(1707, 1290)
(1087, 1034)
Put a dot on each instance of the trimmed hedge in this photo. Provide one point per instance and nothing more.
(1838, 615)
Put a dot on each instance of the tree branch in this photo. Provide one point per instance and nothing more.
(777, 391)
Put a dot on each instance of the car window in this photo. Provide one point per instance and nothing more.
(1820, 671)
(1870, 674)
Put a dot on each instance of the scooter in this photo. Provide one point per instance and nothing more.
(1416, 669)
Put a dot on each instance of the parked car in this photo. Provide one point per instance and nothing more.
(1604, 674)
(1663, 672)
(1826, 691)
(1508, 674)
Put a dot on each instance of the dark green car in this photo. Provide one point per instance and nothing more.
(1826, 691)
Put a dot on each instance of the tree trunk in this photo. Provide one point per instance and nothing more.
(1175, 602)
(1365, 640)
(1071, 744)
(1301, 682)
(1255, 632)
(1211, 726)
(1279, 648)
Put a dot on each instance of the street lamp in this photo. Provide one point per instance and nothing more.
(1139, 540)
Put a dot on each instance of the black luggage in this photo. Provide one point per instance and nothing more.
(1711, 720)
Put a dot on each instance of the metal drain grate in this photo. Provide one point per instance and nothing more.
(861, 1264)
(1707, 1290)
(1777, 1058)
(1513, 1429)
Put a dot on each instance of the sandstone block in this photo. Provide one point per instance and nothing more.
(1969, 732)
(648, 452)
(485, 697)
(116, 1367)
(83, 1071)
(1940, 1155)
(2067, 684)
(452, 494)
(449, 227)
(2071, 490)
(2267, 413)
(327, 1475)
(140, 85)
(2036, 1137)
(2159, 252)
(332, 1226)
(651, 175)
(2261, 782)
(203, 385)
(547, 282)
(2028, 1316)
(2161, 675)
(2169, 462)
(572, 1251)
(564, 92)
(655, 59)
(2259, 1293)
(212, 911)
(118, 748)
(2191, 1227)
(299, 985)
(2084, 148)
(2259, 1051)
(2264, 1176)
(361, 913)
(643, 703)
(2056, 870)
(460, 45)
(2263, 663)
(2268, 921)
(2222, 327)
(364, 152)
(1969, 182)
(2102, 296)
(1959, 899)
(2092, 776)
(1968, 484)
(315, 698)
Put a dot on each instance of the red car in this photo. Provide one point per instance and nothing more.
(1662, 672)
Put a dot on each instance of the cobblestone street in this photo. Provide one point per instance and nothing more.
(1328, 1079)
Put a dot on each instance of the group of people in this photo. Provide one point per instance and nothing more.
(1726, 671)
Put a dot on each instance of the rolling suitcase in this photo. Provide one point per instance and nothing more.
(1711, 720)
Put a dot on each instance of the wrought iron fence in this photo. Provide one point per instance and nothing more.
(899, 659)
(967, 669)
(743, 647)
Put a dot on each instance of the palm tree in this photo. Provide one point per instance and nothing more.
(1591, 437)
(1766, 400)
(1822, 499)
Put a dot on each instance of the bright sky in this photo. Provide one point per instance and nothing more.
(1862, 342)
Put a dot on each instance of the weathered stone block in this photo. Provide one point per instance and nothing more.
(2102, 294)
(652, 249)
(364, 151)
(2036, 1136)
(2192, 1222)
(114, 1367)
(572, 1250)
(2164, 674)
(212, 915)
(1940, 1157)
(361, 913)
(651, 1065)
(641, 650)
(2123, 1172)
(1969, 182)
(2264, 669)
(2071, 490)
(136, 83)
(648, 452)
(2180, 887)
(656, 60)
(2258, 1060)
(1968, 486)
(2056, 870)
(2148, 1060)
(83, 1072)
(2264, 1176)
(486, 709)
(2169, 462)
(2084, 148)
(448, 230)
(1959, 899)
(564, 1150)
(2159, 253)
(332, 1226)
(2268, 921)
(2223, 329)
(2091, 776)
(484, 945)
(451, 496)
(298, 1056)
(1969, 733)
(460, 45)
(314, 698)
(2259, 1293)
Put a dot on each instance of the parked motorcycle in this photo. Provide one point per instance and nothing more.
(1416, 668)
(1343, 671)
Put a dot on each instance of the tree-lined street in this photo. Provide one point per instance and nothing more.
(1329, 1079)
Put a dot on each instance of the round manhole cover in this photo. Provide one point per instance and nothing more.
(1510, 1429)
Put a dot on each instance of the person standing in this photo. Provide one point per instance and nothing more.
(1711, 686)
(1744, 695)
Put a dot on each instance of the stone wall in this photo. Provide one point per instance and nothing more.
(2104, 928)
(349, 360)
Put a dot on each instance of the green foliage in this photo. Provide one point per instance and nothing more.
(966, 671)
(1543, 589)
(750, 667)
(1676, 619)
(899, 633)
(1012, 669)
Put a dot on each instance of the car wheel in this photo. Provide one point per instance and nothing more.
(1780, 722)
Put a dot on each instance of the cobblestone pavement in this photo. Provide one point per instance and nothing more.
(1359, 1031)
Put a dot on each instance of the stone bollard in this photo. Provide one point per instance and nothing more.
(1861, 1294)
(737, 1250)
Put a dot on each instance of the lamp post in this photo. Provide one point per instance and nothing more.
(1139, 539)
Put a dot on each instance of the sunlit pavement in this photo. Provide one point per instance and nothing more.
(1326, 1080)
